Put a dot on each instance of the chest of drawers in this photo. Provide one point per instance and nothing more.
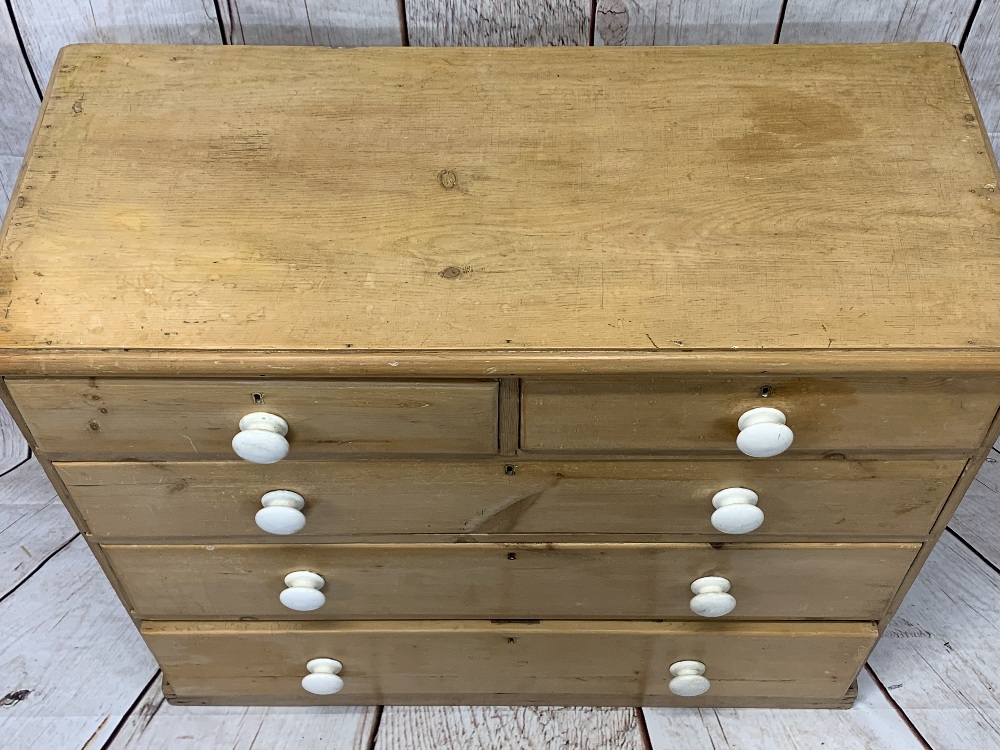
(561, 376)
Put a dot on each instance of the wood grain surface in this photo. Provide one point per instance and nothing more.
(690, 414)
(346, 499)
(329, 23)
(197, 419)
(48, 25)
(13, 447)
(496, 727)
(497, 23)
(570, 663)
(68, 642)
(33, 523)
(511, 581)
(983, 63)
(646, 22)
(154, 724)
(707, 228)
(18, 109)
(937, 659)
(886, 21)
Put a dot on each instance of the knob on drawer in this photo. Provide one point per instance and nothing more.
(303, 593)
(324, 677)
(763, 433)
(261, 439)
(689, 679)
(737, 511)
(282, 512)
(711, 597)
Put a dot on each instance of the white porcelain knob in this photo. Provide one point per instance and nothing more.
(689, 679)
(711, 597)
(261, 439)
(324, 677)
(737, 511)
(303, 593)
(282, 512)
(763, 433)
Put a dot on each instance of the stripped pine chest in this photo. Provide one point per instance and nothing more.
(640, 376)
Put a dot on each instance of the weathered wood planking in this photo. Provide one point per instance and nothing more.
(13, 446)
(48, 25)
(498, 23)
(67, 640)
(868, 21)
(871, 723)
(983, 63)
(940, 657)
(505, 728)
(33, 523)
(154, 724)
(18, 107)
(976, 518)
(645, 22)
(329, 23)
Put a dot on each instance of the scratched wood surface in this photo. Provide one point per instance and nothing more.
(884, 21)
(645, 22)
(326, 23)
(446, 237)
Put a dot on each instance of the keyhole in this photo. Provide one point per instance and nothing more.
(509, 470)
(765, 391)
(511, 555)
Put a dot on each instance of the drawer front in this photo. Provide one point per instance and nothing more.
(105, 418)
(219, 500)
(701, 414)
(503, 581)
(565, 663)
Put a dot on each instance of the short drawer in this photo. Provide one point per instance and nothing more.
(562, 663)
(502, 581)
(197, 419)
(857, 414)
(372, 497)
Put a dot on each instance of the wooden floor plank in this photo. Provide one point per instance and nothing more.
(504, 728)
(13, 447)
(33, 523)
(940, 658)
(976, 519)
(68, 642)
(871, 723)
(155, 724)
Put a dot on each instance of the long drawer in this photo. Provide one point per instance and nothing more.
(197, 419)
(219, 500)
(502, 581)
(848, 414)
(564, 663)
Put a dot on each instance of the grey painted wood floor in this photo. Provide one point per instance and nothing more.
(75, 674)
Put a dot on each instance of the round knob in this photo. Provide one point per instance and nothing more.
(323, 677)
(261, 439)
(688, 679)
(737, 511)
(711, 598)
(763, 433)
(303, 593)
(282, 512)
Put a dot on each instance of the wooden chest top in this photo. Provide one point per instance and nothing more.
(677, 199)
